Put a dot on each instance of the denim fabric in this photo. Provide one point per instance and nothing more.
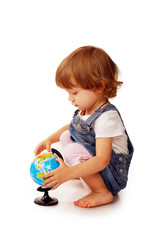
(115, 175)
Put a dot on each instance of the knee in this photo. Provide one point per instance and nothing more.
(74, 153)
(65, 138)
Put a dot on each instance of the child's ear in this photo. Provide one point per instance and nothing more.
(101, 87)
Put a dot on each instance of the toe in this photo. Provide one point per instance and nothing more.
(76, 203)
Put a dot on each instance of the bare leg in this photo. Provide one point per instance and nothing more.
(74, 153)
(99, 195)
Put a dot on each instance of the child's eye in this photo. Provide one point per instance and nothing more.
(75, 93)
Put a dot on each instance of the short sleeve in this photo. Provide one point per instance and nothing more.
(108, 124)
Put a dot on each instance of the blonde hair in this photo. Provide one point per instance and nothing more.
(92, 68)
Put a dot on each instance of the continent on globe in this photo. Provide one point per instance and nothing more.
(43, 163)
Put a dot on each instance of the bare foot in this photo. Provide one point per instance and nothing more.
(94, 199)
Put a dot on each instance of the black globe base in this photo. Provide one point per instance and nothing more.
(46, 200)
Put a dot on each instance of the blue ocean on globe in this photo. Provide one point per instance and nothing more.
(43, 163)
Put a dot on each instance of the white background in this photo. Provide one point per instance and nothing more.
(34, 37)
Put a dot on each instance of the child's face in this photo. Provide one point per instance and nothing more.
(85, 100)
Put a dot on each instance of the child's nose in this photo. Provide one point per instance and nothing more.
(70, 98)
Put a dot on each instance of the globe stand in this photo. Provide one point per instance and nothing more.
(46, 200)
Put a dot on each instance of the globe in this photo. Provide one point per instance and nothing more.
(43, 163)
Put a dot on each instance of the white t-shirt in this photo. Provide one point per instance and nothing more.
(109, 124)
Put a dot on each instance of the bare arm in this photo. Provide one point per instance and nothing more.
(56, 136)
(97, 163)
(87, 168)
(46, 144)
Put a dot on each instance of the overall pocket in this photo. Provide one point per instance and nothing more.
(118, 168)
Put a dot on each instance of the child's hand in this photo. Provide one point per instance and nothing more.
(46, 144)
(57, 176)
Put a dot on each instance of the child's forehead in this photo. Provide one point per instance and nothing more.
(73, 83)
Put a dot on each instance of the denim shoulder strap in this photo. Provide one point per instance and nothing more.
(98, 112)
(76, 112)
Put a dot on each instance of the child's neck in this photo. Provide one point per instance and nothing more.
(90, 112)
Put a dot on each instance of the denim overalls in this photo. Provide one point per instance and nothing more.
(115, 174)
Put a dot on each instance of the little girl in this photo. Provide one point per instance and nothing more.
(96, 146)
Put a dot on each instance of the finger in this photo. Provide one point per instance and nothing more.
(49, 174)
(48, 148)
(50, 184)
(60, 161)
(36, 152)
(56, 186)
(49, 180)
